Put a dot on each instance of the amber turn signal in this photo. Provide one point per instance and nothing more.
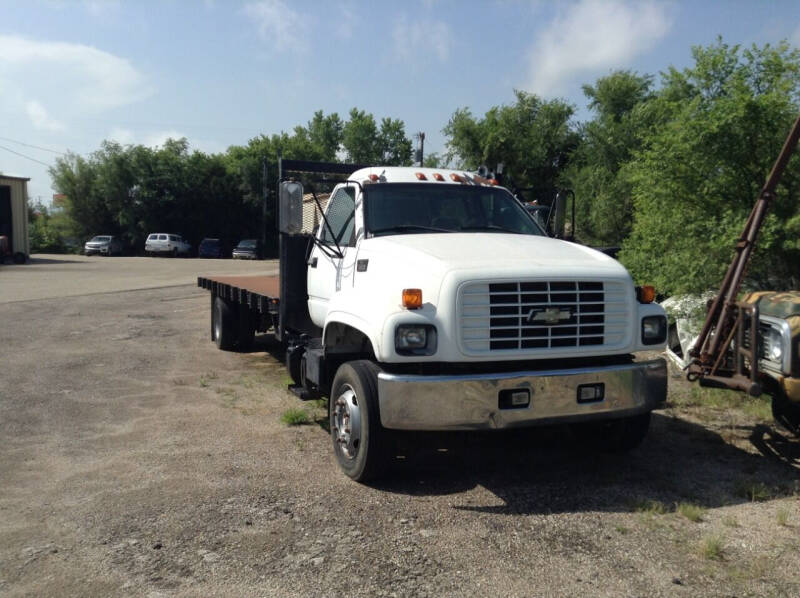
(412, 298)
(646, 294)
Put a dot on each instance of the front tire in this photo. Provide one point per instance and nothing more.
(617, 435)
(360, 443)
(786, 412)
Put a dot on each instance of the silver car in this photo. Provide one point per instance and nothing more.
(104, 245)
(166, 244)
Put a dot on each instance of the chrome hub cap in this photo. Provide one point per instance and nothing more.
(346, 422)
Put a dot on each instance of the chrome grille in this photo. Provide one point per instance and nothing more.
(539, 315)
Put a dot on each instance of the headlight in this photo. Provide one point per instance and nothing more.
(654, 330)
(772, 344)
(415, 339)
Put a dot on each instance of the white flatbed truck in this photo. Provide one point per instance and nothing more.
(428, 299)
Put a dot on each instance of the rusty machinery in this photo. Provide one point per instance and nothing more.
(726, 353)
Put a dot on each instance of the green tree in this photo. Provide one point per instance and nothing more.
(598, 171)
(717, 127)
(360, 138)
(533, 138)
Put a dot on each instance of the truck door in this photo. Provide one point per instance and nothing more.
(328, 273)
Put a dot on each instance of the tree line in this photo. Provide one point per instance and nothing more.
(667, 169)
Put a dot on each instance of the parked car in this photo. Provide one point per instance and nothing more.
(212, 248)
(248, 249)
(166, 244)
(104, 245)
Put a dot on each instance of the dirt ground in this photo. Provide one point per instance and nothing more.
(138, 460)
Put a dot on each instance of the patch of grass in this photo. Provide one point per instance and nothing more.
(783, 516)
(205, 380)
(691, 512)
(295, 417)
(650, 507)
(753, 491)
(730, 521)
(621, 529)
(725, 400)
(713, 547)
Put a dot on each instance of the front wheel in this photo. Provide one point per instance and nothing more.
(359, 440)
(786, 413)
(615, 436)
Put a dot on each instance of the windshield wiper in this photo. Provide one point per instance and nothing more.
(493, 227)
(411, 227)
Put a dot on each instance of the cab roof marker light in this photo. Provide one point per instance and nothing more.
(374, 178)
(456, 177)
(646, 294)
(421, 176)
(438, 176)
(412, 298)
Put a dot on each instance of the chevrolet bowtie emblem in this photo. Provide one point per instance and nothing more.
(551, 315)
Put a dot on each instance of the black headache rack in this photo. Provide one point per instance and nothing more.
(293, 251)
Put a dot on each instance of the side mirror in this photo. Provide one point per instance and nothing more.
(558, 215)
(290, 209)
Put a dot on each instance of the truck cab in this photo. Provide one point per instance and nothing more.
(436, 302)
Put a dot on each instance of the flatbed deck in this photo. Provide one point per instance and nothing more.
(261, 293)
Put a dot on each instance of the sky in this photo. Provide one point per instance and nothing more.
(220, 72)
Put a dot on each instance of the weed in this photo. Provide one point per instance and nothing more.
(713, 547)
(622, 529)
(295, 417)
(320, 404)
(783, 516)
(730, 521)
(203, 382)
(753, 491)
(650, 507)
(691, 512)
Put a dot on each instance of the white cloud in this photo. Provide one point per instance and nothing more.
(417, 42)
(346, 21)
(153, 139)
(278, 24)
(78, 75)
(101, 8)
(40, 118)
(592, 36)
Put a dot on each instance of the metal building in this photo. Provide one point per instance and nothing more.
(14, 216)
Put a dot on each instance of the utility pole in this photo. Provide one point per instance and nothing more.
(421, 148)
(265, 192)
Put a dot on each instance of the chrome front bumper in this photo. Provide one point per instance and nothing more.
(472, 402)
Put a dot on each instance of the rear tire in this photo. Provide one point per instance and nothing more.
(20, 258)
(360, 443)
(224, 324)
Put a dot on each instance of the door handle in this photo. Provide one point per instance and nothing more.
(313, 262)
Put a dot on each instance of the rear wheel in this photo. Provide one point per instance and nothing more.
(223, 324)
(359, 441)
(175, 252)
(20, 258)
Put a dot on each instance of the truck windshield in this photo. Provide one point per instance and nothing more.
(406, 208)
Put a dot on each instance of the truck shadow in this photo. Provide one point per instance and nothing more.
(549, 471)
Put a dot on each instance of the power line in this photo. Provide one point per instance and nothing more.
(26, 157)
(33, 146)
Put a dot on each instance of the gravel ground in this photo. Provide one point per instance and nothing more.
(140, 461)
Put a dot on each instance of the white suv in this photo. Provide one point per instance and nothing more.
(166, 244)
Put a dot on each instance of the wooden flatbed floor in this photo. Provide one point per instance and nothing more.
(257, 292)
